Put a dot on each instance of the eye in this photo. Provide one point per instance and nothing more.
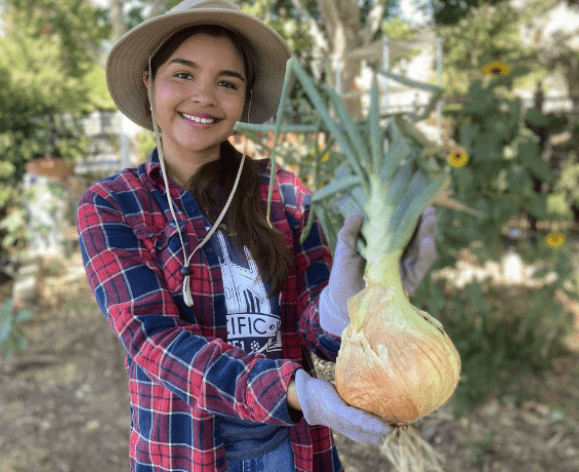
(229, 85)
(182, 74)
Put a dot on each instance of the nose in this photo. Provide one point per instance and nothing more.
(203, 93)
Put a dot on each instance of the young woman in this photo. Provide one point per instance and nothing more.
(216, 310)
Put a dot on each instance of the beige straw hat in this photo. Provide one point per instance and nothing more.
(130, 56)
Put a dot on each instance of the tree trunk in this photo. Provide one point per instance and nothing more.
(542, 133)
(572, 76)
(117, 19)
(345, 32)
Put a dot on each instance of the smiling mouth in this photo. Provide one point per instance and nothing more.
(201, 120)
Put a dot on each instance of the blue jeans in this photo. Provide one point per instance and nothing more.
(278, 460)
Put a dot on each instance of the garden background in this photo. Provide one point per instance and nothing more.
(505, 286)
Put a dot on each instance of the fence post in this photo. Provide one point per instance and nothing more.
(386, 66)
(338, 75)
(439, 83)
(124, 143)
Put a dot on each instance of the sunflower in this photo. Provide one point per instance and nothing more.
(555, 239)
(457, 158)
(497, 69)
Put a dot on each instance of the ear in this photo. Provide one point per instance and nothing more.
(146, 79)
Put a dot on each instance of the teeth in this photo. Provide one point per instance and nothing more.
(199, 120)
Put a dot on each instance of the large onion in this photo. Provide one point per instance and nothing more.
(399, 364)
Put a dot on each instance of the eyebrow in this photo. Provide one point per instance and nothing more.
(194, 65)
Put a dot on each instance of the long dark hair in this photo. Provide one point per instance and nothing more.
(245, 220)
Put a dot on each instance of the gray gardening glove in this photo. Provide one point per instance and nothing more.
(346, 276)
(322, 405)
(420, 253)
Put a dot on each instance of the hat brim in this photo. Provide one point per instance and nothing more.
(130, 56)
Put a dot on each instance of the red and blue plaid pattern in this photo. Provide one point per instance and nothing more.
(182, 374)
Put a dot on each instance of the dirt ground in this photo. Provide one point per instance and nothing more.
(64, 405)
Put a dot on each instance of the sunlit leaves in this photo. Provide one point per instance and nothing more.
(529, 152)
(468, 133)
(537, 206)
(39, 68)
(518, 179)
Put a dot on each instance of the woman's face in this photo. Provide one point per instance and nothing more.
(199, 95)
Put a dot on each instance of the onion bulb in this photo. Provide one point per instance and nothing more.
(396, 362)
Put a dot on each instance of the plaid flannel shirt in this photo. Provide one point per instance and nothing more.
(181, 371)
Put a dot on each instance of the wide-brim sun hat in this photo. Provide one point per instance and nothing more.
(129, 57)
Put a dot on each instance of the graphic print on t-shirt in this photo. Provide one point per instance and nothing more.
(253, 321)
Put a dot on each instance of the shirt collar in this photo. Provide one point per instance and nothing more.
(153, 166)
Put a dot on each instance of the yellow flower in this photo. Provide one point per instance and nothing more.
(326, 156)
(496, 68)
(555, 239)
(457, 158)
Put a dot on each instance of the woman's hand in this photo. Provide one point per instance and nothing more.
(346, 277)
(420, 253)
(322, 405)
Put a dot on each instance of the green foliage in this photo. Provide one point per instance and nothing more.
(498, 341)
(482, 36)
(31, 138)
(566, 189)
(72, 26)
(45, 51)
(284, 20)
(99, 92)
(147, 143)
(43, 96)
(503, 157)
(13, 230)
(446, 12)
(564, 195)
(500, 337)
(12, 336)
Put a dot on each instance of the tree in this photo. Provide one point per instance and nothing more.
(77, 26)
(340, 27)
(43, 96)
(448, 12)
(482, 37)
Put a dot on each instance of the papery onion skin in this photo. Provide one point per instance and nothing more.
(398, 363)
